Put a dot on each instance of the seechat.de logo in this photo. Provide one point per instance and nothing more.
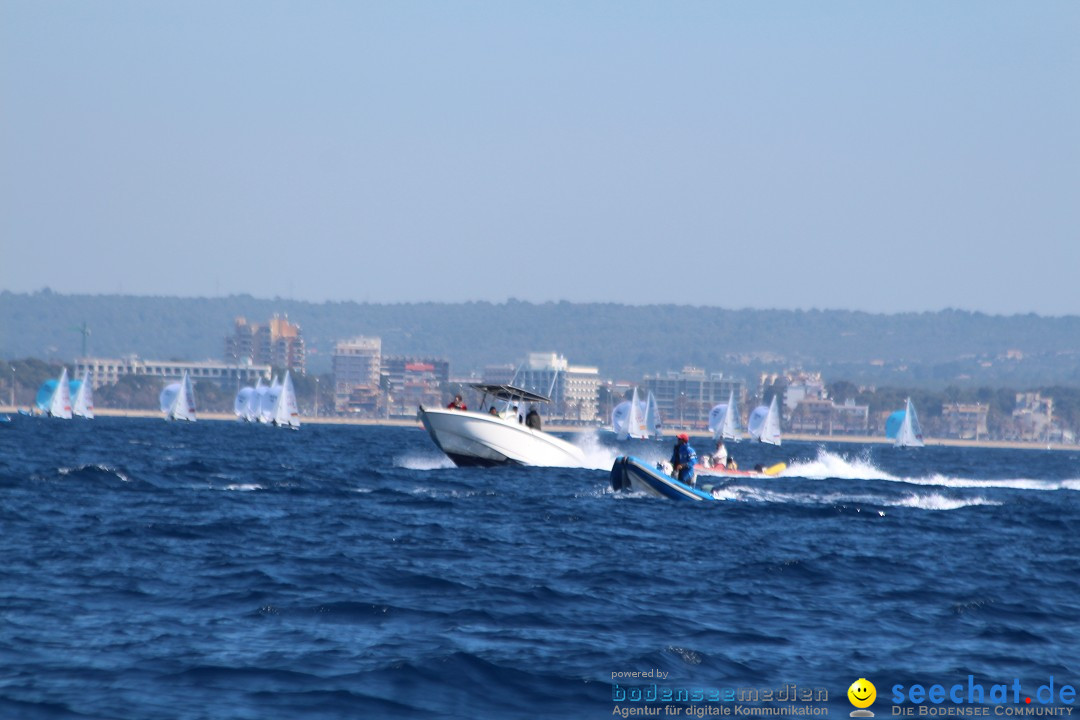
(862, 694)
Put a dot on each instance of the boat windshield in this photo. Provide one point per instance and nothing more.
(510, 397)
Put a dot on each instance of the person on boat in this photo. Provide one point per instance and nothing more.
(457, 404)
(519, 417)
(532, 419)
(731, 464)
(493, 411)
(683, 459)
(720, 456)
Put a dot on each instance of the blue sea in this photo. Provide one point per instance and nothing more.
(217, 570)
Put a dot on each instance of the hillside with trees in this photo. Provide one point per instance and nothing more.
(931, 350)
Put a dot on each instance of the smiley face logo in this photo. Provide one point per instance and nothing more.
(862, 693)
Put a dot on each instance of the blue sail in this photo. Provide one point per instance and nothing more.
(893, 423)
(44, 394)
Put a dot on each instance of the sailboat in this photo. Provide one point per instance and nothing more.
(178, 400)
(246, 405)
(652, 416)
(724, 420)
(54, 397)
(764, 425)
(636, 419)
(285, 413)
(265, 401)
(635, 426)
(83, 405)
(242, 403)
(910, 433)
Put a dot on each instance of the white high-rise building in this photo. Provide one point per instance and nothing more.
(356, 364)
(573, 389)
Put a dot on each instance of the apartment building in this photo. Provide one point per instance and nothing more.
(278, 343)
(356, 365)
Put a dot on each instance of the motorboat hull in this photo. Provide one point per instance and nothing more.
(473, 439)
(630, 473)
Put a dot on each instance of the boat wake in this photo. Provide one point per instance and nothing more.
(598, 456)
(834, 466)
(916, 500)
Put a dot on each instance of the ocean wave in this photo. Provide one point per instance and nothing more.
(937, 501)
(244, 487)
(423, 461)
(355, 587)
(443, 494)
(92, 471)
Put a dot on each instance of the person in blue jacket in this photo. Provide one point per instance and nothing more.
(683, 459)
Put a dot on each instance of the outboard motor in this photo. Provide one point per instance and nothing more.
(618, 475)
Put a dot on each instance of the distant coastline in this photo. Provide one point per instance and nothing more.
(408, 423)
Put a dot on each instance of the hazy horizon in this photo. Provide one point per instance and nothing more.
(510, 300)
(873, 157)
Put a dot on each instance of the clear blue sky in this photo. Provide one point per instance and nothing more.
(865, 155)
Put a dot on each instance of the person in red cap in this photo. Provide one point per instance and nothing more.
(683, 459)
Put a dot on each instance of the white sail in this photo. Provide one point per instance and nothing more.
(267, 401)
(756, 421)
(188, 407)
(730, 429)
(724, 420)
(652, 416)
(770, 432)
(252, 412)
(261, 404)
(242, 403)
(168, 397)
(764, 424)
(60, 404)
(910, 434)
(619, 417)
(285, 412)
(635, 426)
(83, 405)
(716, 418)
(178, 400)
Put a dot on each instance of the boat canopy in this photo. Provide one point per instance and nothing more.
(509, 392)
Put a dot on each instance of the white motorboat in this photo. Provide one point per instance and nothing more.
(485, 438)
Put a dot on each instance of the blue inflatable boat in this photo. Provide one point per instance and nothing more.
(632, 474)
